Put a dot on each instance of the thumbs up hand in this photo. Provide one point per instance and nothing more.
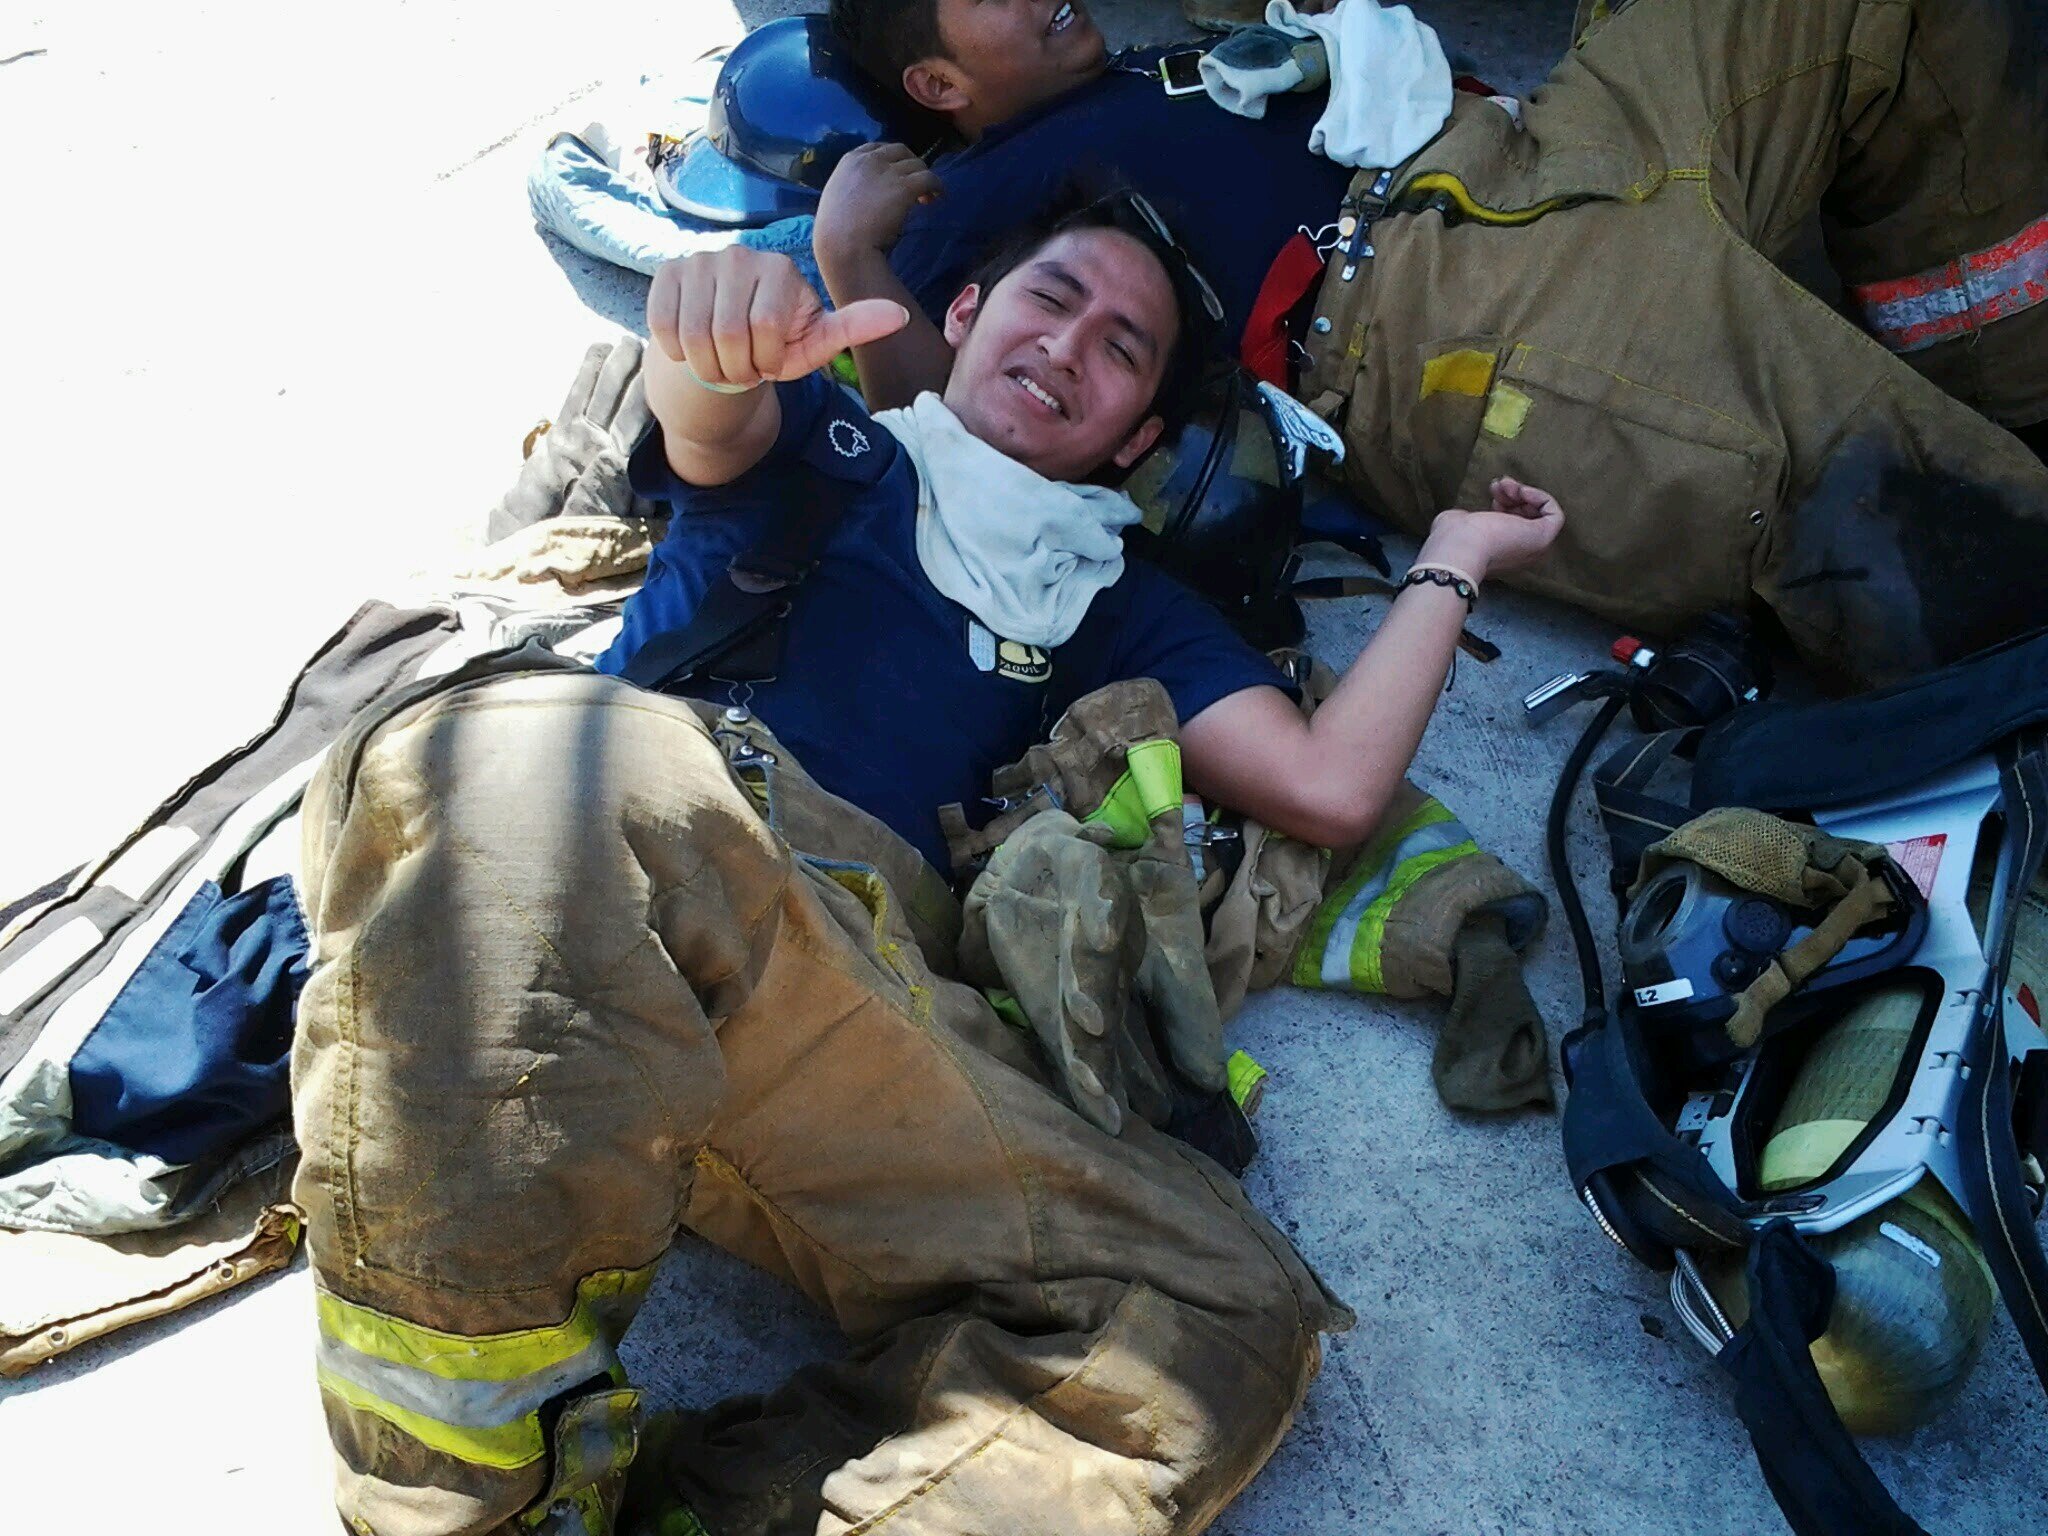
(741, 317)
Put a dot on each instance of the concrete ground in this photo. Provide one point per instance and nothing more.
(275, 321)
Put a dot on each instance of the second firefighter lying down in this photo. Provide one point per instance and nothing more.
(599, 956)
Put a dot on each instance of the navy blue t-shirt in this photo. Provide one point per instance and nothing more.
(879, 693)
(1234, 189)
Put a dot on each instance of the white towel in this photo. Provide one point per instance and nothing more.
(1023, 554)
(1390, 84)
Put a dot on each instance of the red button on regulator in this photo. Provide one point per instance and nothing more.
(1624, 649)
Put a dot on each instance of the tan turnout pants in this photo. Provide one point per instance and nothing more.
(573, 990)
(1593, 302)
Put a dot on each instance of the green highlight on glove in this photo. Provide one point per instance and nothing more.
(1247, 1082)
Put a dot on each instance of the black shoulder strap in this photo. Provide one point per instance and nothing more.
(1649, 1189)
(1819, 1478)
(1632, 816)
(735, 636)
(1777, 755)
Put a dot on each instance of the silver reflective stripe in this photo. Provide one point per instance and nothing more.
(1959, 296)
(465, 1404)
(564, 1517)
(1344, 932)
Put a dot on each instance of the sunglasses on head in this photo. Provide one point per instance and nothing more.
(1147, 215)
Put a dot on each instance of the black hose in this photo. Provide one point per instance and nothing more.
(1560, 864)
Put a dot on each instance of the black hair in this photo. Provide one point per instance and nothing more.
(886, 37)
(1080, 205)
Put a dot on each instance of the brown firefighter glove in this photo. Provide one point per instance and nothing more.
(1173, 978)
(1053, 922)
(1112, 758)
(1102, 952)
(576, 464)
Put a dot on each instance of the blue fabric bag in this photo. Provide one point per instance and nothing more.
(194, 1055)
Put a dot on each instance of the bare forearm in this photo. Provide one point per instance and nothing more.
(711, 437)
(1365, 735)
(1329, 780)
(897, 369)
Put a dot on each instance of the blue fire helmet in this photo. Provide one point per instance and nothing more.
(789, 104)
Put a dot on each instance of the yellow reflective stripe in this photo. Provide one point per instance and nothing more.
(504, 1446)
(474, 1396)
(1346, 938)
(1148, 788)
(1449, 186)
(479, 1357)
(1367, 972)
(1308, 963)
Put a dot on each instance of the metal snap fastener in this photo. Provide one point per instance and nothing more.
(1756, 518)
(1322, 325)
(735, 715)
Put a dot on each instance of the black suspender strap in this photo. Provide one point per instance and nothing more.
(1822, 1484)
(1632, 816)
(736, 634)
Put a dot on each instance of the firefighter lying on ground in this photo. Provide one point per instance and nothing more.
(594, 962)
(1584, 289)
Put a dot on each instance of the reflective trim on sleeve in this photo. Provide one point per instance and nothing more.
(1958, 297)
(477, 1398)
(1149, 787)
(1343, 948)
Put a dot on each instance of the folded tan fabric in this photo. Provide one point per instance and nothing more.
(59, 1290)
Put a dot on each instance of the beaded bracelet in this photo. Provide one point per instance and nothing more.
(1444, 576)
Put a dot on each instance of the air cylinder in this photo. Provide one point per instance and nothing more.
(1912, 1292)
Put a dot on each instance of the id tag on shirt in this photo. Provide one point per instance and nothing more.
(1013, 659)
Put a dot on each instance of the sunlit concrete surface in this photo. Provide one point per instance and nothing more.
(273, 321)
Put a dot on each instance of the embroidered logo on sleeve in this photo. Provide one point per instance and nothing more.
(847, 440)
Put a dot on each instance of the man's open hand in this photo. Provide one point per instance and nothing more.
(745, 317)
(1514, 532)
(868, 196)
